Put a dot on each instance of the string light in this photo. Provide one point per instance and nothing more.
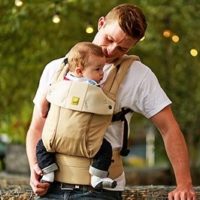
(175, 38)
(56, 18)
(89, 29)
(193, 52)
(142, 38)
(18, 3)
(167, 33)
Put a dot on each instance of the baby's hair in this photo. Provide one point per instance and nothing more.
(79, 54)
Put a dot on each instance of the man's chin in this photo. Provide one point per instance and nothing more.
(111, 60)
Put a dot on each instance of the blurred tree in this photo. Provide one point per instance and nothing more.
(176, 69)
(29, 40)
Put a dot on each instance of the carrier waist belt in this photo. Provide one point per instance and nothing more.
(75, 170)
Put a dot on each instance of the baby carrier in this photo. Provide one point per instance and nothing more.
(88, 111)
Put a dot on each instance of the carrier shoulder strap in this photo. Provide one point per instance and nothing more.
(61, 72)
(116, 75)
(114, 79)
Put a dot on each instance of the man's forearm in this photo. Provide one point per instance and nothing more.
(178, 154)
(31, 141)
(33, 135)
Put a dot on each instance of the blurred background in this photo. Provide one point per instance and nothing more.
(32, 33)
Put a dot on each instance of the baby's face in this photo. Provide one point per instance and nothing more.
(94, 69)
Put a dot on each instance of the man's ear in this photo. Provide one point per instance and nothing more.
(101, 22)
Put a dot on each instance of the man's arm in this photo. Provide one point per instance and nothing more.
(33, 135)
(177, 152)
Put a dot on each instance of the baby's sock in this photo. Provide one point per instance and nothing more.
(49, 177)
(101, 183)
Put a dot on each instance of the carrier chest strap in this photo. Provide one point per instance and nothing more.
(120, 116)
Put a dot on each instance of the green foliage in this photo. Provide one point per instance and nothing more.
(176, 69)
(29, 40)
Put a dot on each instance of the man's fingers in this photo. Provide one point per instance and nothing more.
(182, 195)
(40, 188)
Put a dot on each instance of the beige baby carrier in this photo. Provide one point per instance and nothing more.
(77, 120)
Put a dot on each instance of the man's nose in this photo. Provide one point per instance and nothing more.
(111, 49)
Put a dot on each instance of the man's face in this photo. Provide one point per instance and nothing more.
(113, 40)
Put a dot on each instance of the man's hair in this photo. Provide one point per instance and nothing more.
(130, 18)
(79, 54)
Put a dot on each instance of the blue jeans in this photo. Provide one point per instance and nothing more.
(55, 193)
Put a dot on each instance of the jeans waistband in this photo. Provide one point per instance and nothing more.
(66, 186)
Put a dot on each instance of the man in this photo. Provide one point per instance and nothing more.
(119, 31)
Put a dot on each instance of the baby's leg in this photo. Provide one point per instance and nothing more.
(46, 161)
(100, 166)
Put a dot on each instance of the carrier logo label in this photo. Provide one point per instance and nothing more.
(75, 100)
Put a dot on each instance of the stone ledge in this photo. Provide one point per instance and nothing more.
(17, 192)
(152, 192)
(16, 187)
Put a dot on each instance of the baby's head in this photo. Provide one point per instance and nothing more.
(86, 59)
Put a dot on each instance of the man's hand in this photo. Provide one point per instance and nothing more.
(38, 187)
(182, 193)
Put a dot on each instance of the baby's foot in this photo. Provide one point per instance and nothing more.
(101, 183)
(48, 177)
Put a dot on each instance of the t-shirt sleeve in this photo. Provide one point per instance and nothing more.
(45, 79)
(151, 98)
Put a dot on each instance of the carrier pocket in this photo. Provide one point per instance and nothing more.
(71, 132)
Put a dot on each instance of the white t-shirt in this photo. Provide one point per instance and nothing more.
(71, 77)
(140, 91)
